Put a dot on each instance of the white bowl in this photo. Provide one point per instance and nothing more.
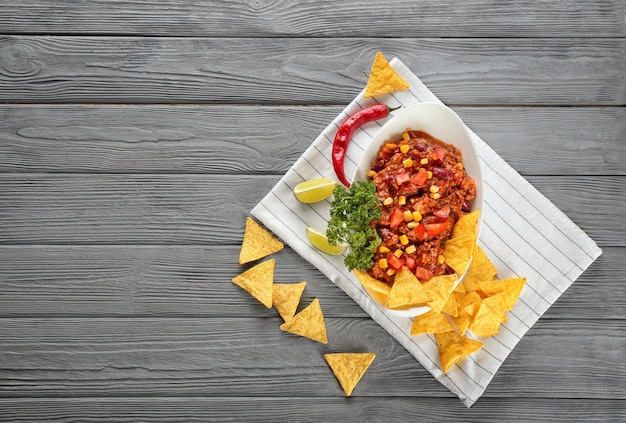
(442, 123)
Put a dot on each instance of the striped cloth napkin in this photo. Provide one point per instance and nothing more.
(523, 233)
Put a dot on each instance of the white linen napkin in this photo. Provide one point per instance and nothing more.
(523, 233)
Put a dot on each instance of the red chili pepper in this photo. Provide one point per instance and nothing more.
(342, 138)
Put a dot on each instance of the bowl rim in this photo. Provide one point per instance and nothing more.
(393, 128)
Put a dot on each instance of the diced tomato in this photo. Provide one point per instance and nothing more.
(443, 212)
(434, 229)
(440, 153)
(420, 178)
(394, 261)
(397, 217)
(423, 274)
(410, 262)
(420, 231)
(403, 177)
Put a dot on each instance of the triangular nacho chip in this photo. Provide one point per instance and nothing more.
(258, 281)
(286, 298)
(453, 347)
(457, 252)
(407, 291)
(431, 322)
(466, 224)
(480, 269)
(486, 321)
(372, 285)
(510, 289)
(257, 243)
(439, 289)
(383, 78)
(349, 368)
(308, 323)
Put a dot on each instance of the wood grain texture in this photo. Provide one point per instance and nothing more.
(262, 139)
(245, 357)
(502, 71)
(305, 409)
(178, 281)
(192, 209)
(367, 18)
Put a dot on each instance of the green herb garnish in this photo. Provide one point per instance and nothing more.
(351, 213)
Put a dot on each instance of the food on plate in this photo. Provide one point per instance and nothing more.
(423, 190)
(349, 368)
(258, 281)
(308, 323)
(286, 298)
(314, 190)
(257, 243)
(351, 212)
(320, 241)
(383, 78)
(345, 131)
(453, 347)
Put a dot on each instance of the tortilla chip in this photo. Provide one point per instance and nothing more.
(439, 288)
(286, 298)
(486, 321)
(349, 368)
(407, 291)
(466, 225)
(431, 322)
(257, 243)
(383, 78)
(462, 321)
(371, 284)
(258, 281)
(480, 269)
(510, 289)
(454, 347)
(458, 252)
(308, 323)
(450, 307)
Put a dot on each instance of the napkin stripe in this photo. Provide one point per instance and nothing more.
(523, 232)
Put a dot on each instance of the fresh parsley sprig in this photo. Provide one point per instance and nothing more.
(351, 212)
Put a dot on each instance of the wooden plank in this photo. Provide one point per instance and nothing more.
(319, 409)
(366, 18)
(502, 71)
(210, 209)
(178, 281)
(267, 139)
(253, 357)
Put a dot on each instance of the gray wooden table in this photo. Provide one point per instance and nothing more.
(136, 136)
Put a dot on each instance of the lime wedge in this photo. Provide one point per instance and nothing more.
(319, 241)
(314, 190)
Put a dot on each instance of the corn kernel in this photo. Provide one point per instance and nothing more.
(412, 225)
(404, 240)
(382, 263)
(424, 161)
(441, 259)
(405, 136)
(383, 250)
(387, 201)
(430, 174)
(434, 188)
(407, 163)
(391, 146)
(417, 216)
(408, 216)
(404, 148)
(371, 173)
(459, 166)
(435, 196)
(410, 249)
(401, 200)
(398, 253)
(391, 272)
